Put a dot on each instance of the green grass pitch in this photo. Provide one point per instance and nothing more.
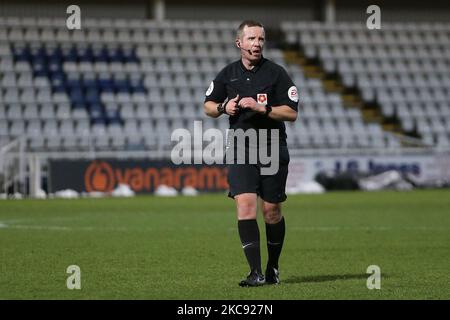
(188, 247)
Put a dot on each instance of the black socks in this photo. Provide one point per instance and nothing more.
(275, 237)
(249, 234)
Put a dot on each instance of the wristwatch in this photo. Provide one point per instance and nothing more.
(221, 108)
(268, 110)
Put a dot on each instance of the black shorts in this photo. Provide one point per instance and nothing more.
(247, 178)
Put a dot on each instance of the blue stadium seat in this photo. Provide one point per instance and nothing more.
(121, 84)
(77, 96)
(97, 116)
(85, 54)
(40, 67)
(100, 54)
(58, 82)
(105, 83)
(69, 54)
(92, 96)
(89, 81)
(115, 54)
(113, 117)
(73, 80)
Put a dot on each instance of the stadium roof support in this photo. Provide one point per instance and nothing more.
(329, 11)
(159, 10)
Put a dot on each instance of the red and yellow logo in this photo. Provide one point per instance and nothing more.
(262, 98)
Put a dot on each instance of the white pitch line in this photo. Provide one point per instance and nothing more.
(375, 228)
(299, 229)
(63, 228)
(57, 228)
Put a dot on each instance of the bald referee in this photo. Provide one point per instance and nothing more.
(255, 93)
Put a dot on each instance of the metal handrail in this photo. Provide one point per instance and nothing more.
(10, 157)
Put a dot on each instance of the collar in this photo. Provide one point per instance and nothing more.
(255, 68)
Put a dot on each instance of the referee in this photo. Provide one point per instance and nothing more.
(255, 93)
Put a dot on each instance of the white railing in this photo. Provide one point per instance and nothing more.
(13, 167)
(297, 152)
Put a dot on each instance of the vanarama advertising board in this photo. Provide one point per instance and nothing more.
(143, 176)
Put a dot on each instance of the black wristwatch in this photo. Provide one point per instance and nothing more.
(221, 108)
(268, 110)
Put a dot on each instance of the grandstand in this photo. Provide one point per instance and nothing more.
(404, 69)
(115, 86)
(119, 87)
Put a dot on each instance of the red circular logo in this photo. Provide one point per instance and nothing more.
(99, 176)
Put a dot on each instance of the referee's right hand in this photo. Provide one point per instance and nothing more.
(231, 107)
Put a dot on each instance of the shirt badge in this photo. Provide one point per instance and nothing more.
(262, 98)
(293, 93)
(210, 89)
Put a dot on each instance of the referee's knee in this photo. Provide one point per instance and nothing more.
(246, 206)
(271, 212)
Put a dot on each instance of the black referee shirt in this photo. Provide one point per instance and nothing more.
(268, 83)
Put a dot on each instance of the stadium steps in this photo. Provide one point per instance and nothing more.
(333, 85)
(310, 70)
(371, 112)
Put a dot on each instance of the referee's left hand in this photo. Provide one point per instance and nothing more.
(250, 103)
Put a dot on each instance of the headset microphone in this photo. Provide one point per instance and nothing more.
(248, 50)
